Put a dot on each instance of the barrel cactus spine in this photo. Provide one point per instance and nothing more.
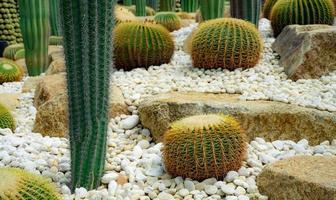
(212, 9)
(131, 51)
(169, 20)
(246, 9)
(88, 56)
(21, 185)
(6, 119)
(11, 50)
(9, 71)
(55, 24)
(268, 8)
(35, 28)
(204, 146)
(140, 7)
(167, 5)
(189, 5)
(287, 12)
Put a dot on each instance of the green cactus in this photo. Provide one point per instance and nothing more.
(6, 120)
(11, 50)
(212, 9)
(56, 40)
(227, 43)
(35, 28)
(302, 12)
(167, 5)
(17, 184)
(246, 9)
(55, 24)
(169, 20)
(9, 22)
(141, 45)
(19, 54)
(9, 71)
(149, 11)
(153, 4)
(268, 8)
(87, 34)
(123, 14)
(189, 5)
(127, 2)
(204, 146)
(140, 7)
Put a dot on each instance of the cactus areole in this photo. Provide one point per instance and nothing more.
(87, 27)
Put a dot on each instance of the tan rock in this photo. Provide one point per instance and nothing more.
(55, 67)
(300, 178)
(121, 180)
(56, 52)
(267, 119)
(307, 51)
(30, 84)
(10, 100)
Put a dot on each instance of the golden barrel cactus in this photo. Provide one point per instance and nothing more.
(169, 20)
(6, 118)
(9, 71)
(226, 43)
(204, 146)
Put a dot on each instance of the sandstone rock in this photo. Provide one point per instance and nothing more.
(30, 84)
(299, 178)
(267, 119)
(307, 51)
(56, 52)
(56, 66)
(10, 100)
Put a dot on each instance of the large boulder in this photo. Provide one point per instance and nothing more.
(307, 51)
(55, 67)
(299, 178)
(30, 84)
(267, 119)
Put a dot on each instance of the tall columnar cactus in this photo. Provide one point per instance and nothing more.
(153, 4)
(6, 120)
(141, 45)
(287, 12)
(9, 22)
(87, 34)
(35, 28)
(169, 20)
(189, 5)
(17, 184)
(268, 8)
(167, 5)
(127, 2)
(204, 146)
(226, 43)
(55, 24)
(140, 7)
(246, 9)
(212, 9)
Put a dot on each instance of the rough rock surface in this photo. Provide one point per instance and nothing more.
(30, 84)
(267, 119)
(307, 51)
(10, 100)
(56, 66)
(300, 178)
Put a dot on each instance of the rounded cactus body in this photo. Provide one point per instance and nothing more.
(17, 184)
(170, 20)
(11, 50)
(122, 14)
(9, 71)
(149, 11)
(226, 43)
(204, 146)
(19, 54)
(6, 120)
(9, 22)
(268, 8)
(56, 40)
(141, 45)
(302, 12)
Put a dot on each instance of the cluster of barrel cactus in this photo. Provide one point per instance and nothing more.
(17, 184)
(169, 20)
(204, 146)
(268, 5)
(6, 120)
(9, 71)
(9, 22)
(12, 50)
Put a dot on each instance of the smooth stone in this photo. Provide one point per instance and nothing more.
(130, 122)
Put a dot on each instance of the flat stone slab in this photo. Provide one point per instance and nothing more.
(267, 119)
(299, 178)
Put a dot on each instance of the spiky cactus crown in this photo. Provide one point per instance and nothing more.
(9, 71)
(6, 119)
(11, 50)
(268, 8)
(16, 184)
(227, 43)
(169, 20)
(141, 45)
(303, 12)
(204, 146)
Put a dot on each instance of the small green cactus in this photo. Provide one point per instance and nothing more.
(204, 146)
(56, 40)
(17, 184)
(226, 43)
(11, 50)
(9, 71)
(149, 11)
(19, 54)
(268, 8)
(287, 12)
(141, 45)
(9, 22)
(169, 20)
(6, 121)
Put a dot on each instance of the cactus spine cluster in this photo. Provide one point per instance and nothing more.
(303, 12)
(55, 24)
(189, 5)
(212, 9)
(141, 45)
(140, 7)
(6, 119)
(87, 33)
(167, 5)
(204, 146)
(169, 20)
(246, 9)
(227, 43)
(9, 71)
(9, 22)
(35, 28)
(11, 50)
(268, 8)
(17, 184)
